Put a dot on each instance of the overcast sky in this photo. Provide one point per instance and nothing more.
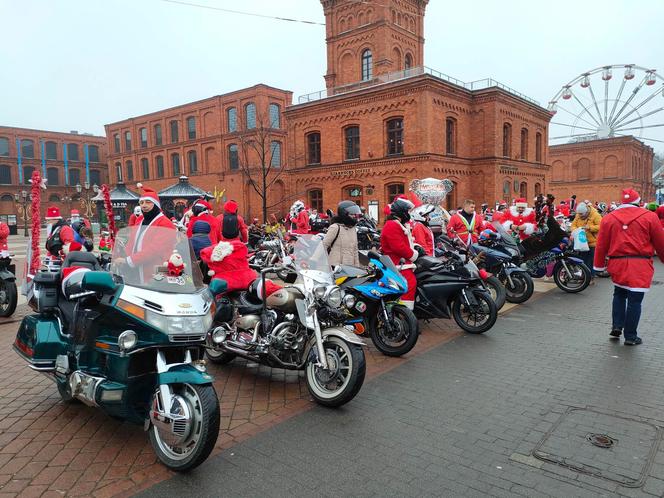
(79, 64)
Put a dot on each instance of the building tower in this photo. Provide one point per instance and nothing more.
(369, 38)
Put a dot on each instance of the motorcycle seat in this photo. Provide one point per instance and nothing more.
(82, 259)
(427, 263)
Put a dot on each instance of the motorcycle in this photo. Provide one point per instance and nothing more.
(368, 236)
(372, 301)
(130, 343)
(8, 290)
(292, 328)
(272, 253)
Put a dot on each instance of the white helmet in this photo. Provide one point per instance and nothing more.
(297, 207)
(420, 213)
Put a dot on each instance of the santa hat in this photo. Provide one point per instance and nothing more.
(630, 196)
(70, 272)
(270, 288)
(53, 213)
(203, 203)
(231, 207)
(521, 202)
(74, 212)
(149, 195)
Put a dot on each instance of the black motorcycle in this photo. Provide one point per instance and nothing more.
(368, 236)
(8, 292)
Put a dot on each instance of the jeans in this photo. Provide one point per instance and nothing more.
(588, 257)
(627, 311)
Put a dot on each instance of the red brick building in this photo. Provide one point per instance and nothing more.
(599, 169)
(67, 160)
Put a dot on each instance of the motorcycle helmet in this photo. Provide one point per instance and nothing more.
(401, 209)
(422, 213)
(297, 207)
(487, 236)
(348, 212)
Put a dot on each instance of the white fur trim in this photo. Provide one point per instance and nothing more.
(530, 229)
(221, 250)
(210, 273)
(414, 256)
(526, 212)
(65, 248)
(139, 185)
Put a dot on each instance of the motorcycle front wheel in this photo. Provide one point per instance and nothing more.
(576, 282)
(8, 298)
(397, 337)
(497, 291)
(219, 357)
(343, 380)
(478, 318)
(187, 444)
(520, 290)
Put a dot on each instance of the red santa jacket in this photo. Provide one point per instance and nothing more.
(628, 237)
(133, 220)
(147, 248)
(215, 230)
(228, 261)
(4, 233)
(241, 226)
(423, 237)
(459, 226)
(302, 222)
(513, 218)
(396, 242)
(660, 214)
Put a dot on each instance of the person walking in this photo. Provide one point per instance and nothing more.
(231, 224)
(341, 238)
(589, 219)
(628, 238)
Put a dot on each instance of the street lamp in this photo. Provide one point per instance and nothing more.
(86, 203)
(22, 200)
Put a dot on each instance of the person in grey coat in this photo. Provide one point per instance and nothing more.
(341, 238)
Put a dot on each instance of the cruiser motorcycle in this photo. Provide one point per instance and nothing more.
(8, 291)
(131, 343)
(293, 328)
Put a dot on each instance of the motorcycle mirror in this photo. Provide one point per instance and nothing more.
(98, 281)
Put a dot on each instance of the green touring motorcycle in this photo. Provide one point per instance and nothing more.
(131, 341)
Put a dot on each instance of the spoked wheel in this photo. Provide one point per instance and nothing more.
(184, 439)
(477, 318)
(219, 357)
(497, 291)
(520, 290)
(343, 380)
(576, 280)
(8, 298)
(397, 337)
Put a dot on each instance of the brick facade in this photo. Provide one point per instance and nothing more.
(599, 169)
(25, 146)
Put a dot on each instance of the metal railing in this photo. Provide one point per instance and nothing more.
(410, 73)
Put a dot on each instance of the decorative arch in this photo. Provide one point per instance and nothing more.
(369, 15)
(360, 19)
(583, 169)
(210, 125)
(347, 66)
(396, 57)
(342, 25)
(611, 167)
(212, 162)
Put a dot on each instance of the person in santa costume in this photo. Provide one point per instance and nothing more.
(134, 218)
(660, 214)
(520, 218)
(203, 228)
(628, 238)
(228, 261)
(299, 217)
(396, 242)
(466, 224)
(147, 248)
(422, 234)
(231, 224)
(61, 235)
(4, 234)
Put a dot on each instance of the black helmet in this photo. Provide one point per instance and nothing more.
(401, 209)
(348, 212)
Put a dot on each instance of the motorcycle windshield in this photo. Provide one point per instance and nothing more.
(156, 258)
(310, 258)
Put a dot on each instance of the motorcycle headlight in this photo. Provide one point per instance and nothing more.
(349, 301)
(174, 325)
(334, 297)
(127, 340)
(319, 292)
(393, 284)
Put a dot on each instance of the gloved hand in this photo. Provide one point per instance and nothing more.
(420, 251)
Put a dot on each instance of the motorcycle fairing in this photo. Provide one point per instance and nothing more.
(184, 373)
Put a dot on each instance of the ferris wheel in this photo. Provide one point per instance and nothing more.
(610, 101)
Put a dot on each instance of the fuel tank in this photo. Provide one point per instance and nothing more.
(284, 299)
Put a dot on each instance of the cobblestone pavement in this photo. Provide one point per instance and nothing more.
(467, 418)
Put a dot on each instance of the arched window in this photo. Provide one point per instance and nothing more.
(143, 135)
(175, 135)
(52, 177)
(54, 198)
(95, 177)
(145, 168)
(116, 142)
(231, 117)
(51, 149)
(159, 161)
(118, 172)
(191, 128)
(313, 148)
(538, 189)
(523, 190)
(130, 170)
(275, 154)
(393, 190)
(316, 199)
(192, 162)
(507, 140)
(27, 174)
(524, 143)
(175, 164)
(5, 175)
(538, 147)
(250, 116)
(352, 142)
(395, 136)
(450, 136)
(75, 176)
(93, 153)
(72, 152)
(583, 169)
(4, 146)
(408, 63)
(127, 136)
(275, 116)
(158, 140)
(27, 148)
(233, 157)
(367, 65)
(507, 193)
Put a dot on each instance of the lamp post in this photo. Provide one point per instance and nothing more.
(22, 200)
(86, 203)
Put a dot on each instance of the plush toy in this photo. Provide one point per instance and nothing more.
(228, 261)
(175, 264)
(105, 244)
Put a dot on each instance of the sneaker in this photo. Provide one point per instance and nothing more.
(615, 334)
(633, 342)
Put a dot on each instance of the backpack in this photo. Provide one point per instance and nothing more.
(230, 228)
(54, 243)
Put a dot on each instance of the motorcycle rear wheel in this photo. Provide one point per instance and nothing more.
(8, 298)
(497, 290)
(350, 372)
(522, 290)
(204, 406)
(485, 308)
(404, 324)
(580, 278)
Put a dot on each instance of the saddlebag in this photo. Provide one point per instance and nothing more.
(46, 291)
(39, 341)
